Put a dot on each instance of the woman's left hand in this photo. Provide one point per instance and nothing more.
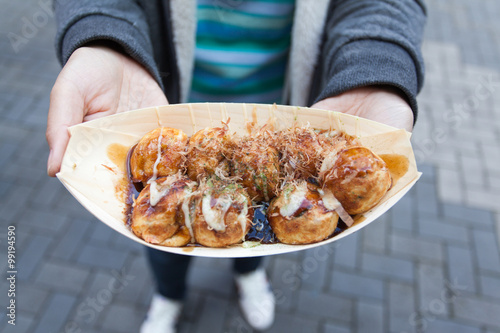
(382, 104)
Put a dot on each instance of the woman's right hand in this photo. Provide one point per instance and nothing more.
(95, 82)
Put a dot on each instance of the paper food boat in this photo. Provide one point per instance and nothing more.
(94, 163)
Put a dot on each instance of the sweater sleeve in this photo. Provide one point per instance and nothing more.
(370, 42)
(119, 22)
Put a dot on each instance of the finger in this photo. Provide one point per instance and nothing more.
(65, 110)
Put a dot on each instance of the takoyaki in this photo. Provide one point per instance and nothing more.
(298, 214)
(223, 213)
(358, 179)
(301, 152)
(162, 213)
(255, 164)
(206, 152)
(169, 143)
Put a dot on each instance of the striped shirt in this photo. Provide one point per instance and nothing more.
(241, 50)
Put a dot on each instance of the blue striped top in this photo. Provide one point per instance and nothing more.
(241, 50)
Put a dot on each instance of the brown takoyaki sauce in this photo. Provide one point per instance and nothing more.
(134, 188)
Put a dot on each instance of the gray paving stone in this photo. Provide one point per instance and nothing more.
(56, 313)
(401, 307)
(285, 280)
(32, 256)
(62, 276)
(451, 185)
(47, 193)
(428, 173)
(133, 288)
(102, 257)
(432, 289)
(477, 311)
(440, 230)
(30, 297)
(71, 242)
(212, 315)
(124, 243)
(427, 203)
(487, 250)
(470, 215)
(122, 318)
(321, 305)
(185, 327)
(235, 321)
(482, 198)
(347, 250)
(24, 324)
(101, 233)
(192, 305)
(460, 267)
(356, 285)
(44, 220)
(370, 317)
(406, 245)
(402, 213)
(7, 149)
(448, 326)
(5, 186)
(24, 173)
(336, 328)
(314, 265)
(490, 286)
(293, 324)
(388, 267)
(15, 203)
(66, 203)
(98, 281)
(374, 236)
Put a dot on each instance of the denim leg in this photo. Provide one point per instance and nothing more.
(170, 271)
(246, 265)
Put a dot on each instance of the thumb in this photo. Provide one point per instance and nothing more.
(65, 110)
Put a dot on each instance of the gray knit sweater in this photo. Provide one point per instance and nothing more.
(363, 42)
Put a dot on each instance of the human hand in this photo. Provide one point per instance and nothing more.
(382, 104)
(95, 82)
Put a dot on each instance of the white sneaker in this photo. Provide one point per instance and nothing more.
(256, 299)
(162, 315)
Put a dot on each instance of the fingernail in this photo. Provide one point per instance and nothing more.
(49, 163)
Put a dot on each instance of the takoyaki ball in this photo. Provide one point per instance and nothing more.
(144, 157)
(223, 214)
(301, 152)
(159, 215)
(206, 150)
(255, 164)
(332, 143)
(298, 215)
(358, 179)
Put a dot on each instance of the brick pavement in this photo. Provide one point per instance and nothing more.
(431, 264)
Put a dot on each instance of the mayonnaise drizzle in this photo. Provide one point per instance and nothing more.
(294, 201)
(214, 216)
(154, 194)
(187, 213)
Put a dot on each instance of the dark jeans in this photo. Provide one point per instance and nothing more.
(170, 271)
